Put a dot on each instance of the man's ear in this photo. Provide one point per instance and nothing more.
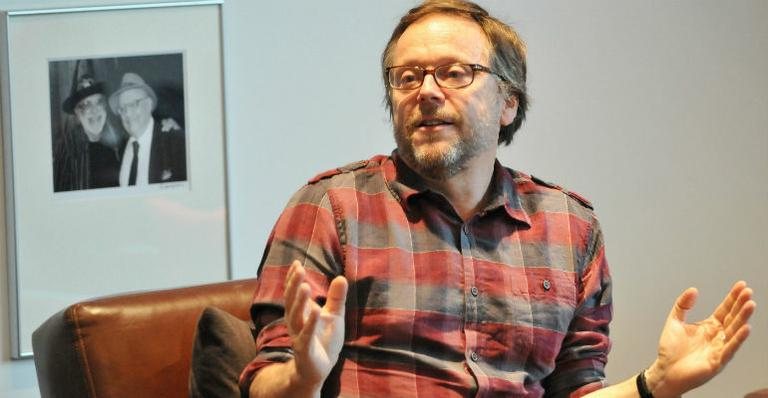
(509, 111)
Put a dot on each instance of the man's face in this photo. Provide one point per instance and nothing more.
(91, 111)
(439, 131)
(135, 109)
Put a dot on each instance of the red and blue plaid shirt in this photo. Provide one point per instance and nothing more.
(514, 302)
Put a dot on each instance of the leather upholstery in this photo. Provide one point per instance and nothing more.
(129, 345)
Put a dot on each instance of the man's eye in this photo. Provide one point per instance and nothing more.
(455, 72)
(408, 77)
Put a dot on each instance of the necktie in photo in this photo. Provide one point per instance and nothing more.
(134, 164)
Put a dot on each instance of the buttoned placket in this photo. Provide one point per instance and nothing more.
(471, 314)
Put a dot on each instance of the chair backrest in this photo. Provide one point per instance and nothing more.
(129, 345)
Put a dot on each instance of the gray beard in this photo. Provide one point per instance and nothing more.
(439, 166)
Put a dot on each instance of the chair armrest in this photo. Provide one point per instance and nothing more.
(136, 344)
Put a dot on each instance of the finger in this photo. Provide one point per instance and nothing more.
(294, 280)
(295, 319)
(293, 269)
(297, 274)
(741, 318)
(684, 303)
(726, 305)
(294, 307)
(309, 329)
(337, 296)
(291, 272)
(733, 344)
(732, 320)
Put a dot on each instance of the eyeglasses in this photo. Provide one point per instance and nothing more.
(447, 76)
(130, 107)
(88, 106)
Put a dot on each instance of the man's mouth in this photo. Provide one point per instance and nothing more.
(433, 122)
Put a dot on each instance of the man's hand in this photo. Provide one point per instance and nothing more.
(692, 353)
(317, 333)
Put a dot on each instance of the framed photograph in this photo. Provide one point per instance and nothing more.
(91, 131)
(114, 154)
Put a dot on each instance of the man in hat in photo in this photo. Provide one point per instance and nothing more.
(87, 157)
(155, 150)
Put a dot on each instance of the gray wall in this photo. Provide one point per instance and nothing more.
(655, 110)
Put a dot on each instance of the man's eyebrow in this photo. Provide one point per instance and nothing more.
(434, 63)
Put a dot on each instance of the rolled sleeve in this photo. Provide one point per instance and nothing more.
(306, 231)
(580, 365)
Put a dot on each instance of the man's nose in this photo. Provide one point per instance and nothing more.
(430, 91)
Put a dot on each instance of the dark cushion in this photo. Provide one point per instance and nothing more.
(223, 346)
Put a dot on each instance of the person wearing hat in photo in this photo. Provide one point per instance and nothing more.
(155, 150)
(87, 157)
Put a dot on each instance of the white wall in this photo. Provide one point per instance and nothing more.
(655, 110)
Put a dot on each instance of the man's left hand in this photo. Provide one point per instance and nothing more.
(692, 353)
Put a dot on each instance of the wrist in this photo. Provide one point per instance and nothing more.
(656, 382)
(653, 377)
(300, 384)
(642, 386)
(282, 379)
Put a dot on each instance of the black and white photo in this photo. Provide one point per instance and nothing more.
(117, 122)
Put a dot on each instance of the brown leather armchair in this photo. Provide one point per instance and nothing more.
(132, 345)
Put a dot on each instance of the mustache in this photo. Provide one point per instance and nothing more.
(419, 117)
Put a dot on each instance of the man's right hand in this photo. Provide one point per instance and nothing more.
(317, 333)
(317, 336)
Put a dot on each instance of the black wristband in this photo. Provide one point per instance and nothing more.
(642, 387)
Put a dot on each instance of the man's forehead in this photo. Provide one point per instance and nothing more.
(442, 38)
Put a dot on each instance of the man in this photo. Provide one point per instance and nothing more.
(436, 272)
(156, 150)
(87, 157)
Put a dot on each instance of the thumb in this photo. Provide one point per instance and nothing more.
(684, 303)
(337, 296)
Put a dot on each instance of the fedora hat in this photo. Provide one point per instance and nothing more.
(131, 81)
(86, 86)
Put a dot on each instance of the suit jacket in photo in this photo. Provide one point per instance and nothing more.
(168, 156)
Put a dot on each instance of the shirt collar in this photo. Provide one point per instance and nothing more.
(408, 187)
(505, 193)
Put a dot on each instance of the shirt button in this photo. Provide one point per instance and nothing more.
(473, 355)
(546, 284)
(475, 291)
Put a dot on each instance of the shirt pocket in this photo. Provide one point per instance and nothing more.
(553, 298)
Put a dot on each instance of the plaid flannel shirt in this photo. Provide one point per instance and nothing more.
(515, 302)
